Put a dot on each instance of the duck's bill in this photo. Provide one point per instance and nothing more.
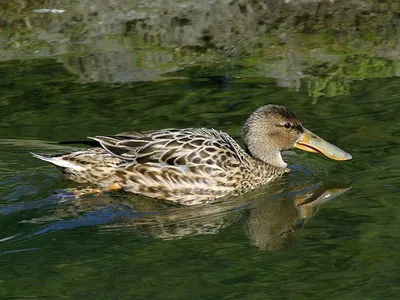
(321, 193)
(313, 143)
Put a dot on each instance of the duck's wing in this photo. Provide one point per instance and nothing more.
(176, 147)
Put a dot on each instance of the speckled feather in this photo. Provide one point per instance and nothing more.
(187, 166)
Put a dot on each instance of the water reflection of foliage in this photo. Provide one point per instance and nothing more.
(129, 42)
(336, 79)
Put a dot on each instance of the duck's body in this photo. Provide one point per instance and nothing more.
(190, 166)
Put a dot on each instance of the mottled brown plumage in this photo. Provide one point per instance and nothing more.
(192, 166)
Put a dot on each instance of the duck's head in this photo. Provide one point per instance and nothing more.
(273, 128)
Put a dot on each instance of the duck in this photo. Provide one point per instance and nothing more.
(193, 165)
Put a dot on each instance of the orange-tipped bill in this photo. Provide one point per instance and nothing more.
(313, 143)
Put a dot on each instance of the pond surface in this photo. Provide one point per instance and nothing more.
(115, 247)
(327, 230)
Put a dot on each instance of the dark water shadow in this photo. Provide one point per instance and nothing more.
(271, 215)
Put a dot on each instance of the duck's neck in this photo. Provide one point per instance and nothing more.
(259, 145)
(275, 160)
(271, 157)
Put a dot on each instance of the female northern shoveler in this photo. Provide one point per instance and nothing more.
(194, 165)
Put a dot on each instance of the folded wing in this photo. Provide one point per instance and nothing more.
(175, 147)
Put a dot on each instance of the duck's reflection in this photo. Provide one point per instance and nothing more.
(271, 223)
(270, 219)
(270, 216)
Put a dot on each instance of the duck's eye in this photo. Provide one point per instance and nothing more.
(287, 125)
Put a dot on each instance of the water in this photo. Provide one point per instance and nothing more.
(327, 230)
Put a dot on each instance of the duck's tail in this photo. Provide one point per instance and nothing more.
(59, 161)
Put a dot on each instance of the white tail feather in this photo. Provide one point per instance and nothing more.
(59, 162)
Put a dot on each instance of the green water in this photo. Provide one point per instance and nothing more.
(327, 230)
(114, 247)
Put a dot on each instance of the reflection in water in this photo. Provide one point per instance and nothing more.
(270, 219)
(271, 224)
(133, 41)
